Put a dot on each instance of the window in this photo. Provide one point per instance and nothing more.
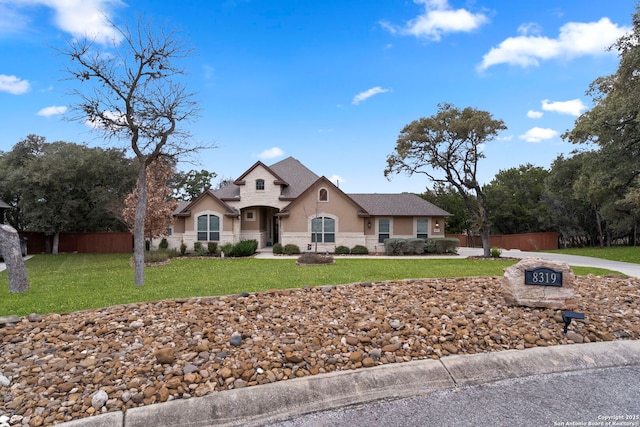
(323, 195)
(422, 229)
(323, 229)
(259, 184)
(250, 215)
(208, 228)
(383, 230)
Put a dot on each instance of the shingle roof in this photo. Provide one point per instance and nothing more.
(294, 173)
(404, 204)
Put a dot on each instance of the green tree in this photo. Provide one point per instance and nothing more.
(515, 198)
(613, 125)
(136, 92)
(446, 148)
(62, 186)
(189, 185)
(449, 199)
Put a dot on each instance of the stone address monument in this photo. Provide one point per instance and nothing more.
(539, 283)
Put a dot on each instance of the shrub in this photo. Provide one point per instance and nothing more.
(342, 250)
(291, 249)
(197, 246)
(212, 247)
(183, 248)
(314, 258)
(359, 250)
(430, 246)
(156, 256)
(404, 246)
(496, 252)
(447, 246)
(415, 246)
(278, 249)
(163, 244)
(394, 246)
(227, 249)
(244, 248)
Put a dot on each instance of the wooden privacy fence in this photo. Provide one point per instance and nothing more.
(93, 242)
(524, 242)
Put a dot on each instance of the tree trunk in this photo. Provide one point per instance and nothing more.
(56, 242)
(10, 250)
(486, 242)
(138, 225)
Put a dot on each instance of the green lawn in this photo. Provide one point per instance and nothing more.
(614, 253)
(72, 282)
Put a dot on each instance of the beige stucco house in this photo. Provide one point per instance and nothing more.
(288, 203)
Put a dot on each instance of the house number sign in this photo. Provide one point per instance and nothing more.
(543, 276)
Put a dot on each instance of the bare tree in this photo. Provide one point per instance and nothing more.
(133, 90)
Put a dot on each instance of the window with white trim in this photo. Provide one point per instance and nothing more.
(384, 227)
(323, 229)
(422, 228)
(208, 228)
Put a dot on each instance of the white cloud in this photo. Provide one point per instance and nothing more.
(54, 110)
(80, 18)
(537, 134)
(534, 114)
(368, 94)
(575, 39)
(271, 153)
(117, 118)
(13, 85)
(337, 180)
(573, 107)
(438, 18)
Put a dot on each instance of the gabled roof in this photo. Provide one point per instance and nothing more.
(403, 204)
(325, 182)
(184, 208)
(290, 173)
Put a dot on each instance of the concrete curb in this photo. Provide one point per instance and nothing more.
(258, 405)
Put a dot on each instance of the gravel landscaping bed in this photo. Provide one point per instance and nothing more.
(59, 367)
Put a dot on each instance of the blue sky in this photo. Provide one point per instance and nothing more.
(330, 82)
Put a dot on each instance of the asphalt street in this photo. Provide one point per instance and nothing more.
(597, 397)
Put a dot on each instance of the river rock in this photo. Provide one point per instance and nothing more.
(516, 293)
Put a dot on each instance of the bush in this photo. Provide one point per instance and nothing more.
(342, 250)
(278, 249)
(227, 249)
(244, 248)
(430, 246)
(197, 246)
(404, 246)
(212, 247)
(163, 244)
(183, 248)
(291, 249)
(447, 246)
(156, 256)
(359, 250)
(314, 258)
(496, 252)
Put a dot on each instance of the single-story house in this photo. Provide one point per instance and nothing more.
(289, 204)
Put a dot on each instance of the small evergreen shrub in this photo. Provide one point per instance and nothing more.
(244, 248)
(212, 247)
(291, 249)
(163, 244)
(197, 247)
(342, 250)
(414, 247)
(394, 246)
(430, 246)
(447, 245)
(314, 258)
(360, 250)
(496, 252)
(183, 248)
(278, 249)
(156, 256)
(227, 249)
